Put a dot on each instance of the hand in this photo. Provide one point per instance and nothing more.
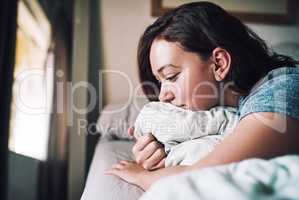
(129, 171)
(148, 152)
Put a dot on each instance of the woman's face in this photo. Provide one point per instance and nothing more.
(186, 80)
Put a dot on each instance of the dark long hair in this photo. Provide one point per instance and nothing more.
(201, 27)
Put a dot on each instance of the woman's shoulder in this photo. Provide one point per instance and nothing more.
(282, 74)
(277, 92)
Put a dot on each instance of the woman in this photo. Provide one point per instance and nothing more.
(199, 56)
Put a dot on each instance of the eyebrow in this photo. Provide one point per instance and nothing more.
(167, 65)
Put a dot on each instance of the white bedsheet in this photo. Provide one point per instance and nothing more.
(277, 179)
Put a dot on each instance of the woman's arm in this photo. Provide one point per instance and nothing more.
(152, 176)
(262, 135)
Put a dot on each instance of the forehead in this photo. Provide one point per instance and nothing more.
(161, 45)
(164, 53)
(162, 49)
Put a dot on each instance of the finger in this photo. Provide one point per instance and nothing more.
(131, 131)
(118, 166)
(147, 152)
(158, 155)
(160, 165)
(110, 172)
(125, 162)
(142, 142)
(115, 172)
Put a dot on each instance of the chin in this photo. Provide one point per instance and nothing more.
(198, 108)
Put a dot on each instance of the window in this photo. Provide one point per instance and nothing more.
(33, 83)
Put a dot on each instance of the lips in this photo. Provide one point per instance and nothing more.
(182, 106)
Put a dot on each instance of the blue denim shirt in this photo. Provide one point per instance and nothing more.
(277, 92)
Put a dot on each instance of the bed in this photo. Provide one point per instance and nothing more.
(250, 179)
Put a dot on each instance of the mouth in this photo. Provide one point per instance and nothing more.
(186, 107)
(182, 106)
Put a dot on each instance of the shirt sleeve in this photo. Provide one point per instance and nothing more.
(279, 95)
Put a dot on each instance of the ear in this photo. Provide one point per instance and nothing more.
(221, 63)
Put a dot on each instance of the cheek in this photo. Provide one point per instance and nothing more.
(176, 88)
(192, 83)
(205, 96)
(181, 88)
(184, 86)
(202, 92)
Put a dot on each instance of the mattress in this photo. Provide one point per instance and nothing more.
(107, 187)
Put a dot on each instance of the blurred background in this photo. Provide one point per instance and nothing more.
(62, 61)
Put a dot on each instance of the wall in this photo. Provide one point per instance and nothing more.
(274, 34)
(122, 23)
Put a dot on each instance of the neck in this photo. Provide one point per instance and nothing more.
(231, 97)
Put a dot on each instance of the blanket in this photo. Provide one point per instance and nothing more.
(186, 135)
(274, 179)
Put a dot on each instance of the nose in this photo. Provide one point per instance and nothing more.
(166, 95)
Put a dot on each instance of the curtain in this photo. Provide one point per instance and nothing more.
(55, 169)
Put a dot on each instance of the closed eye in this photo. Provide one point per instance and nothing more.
(172, 78)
